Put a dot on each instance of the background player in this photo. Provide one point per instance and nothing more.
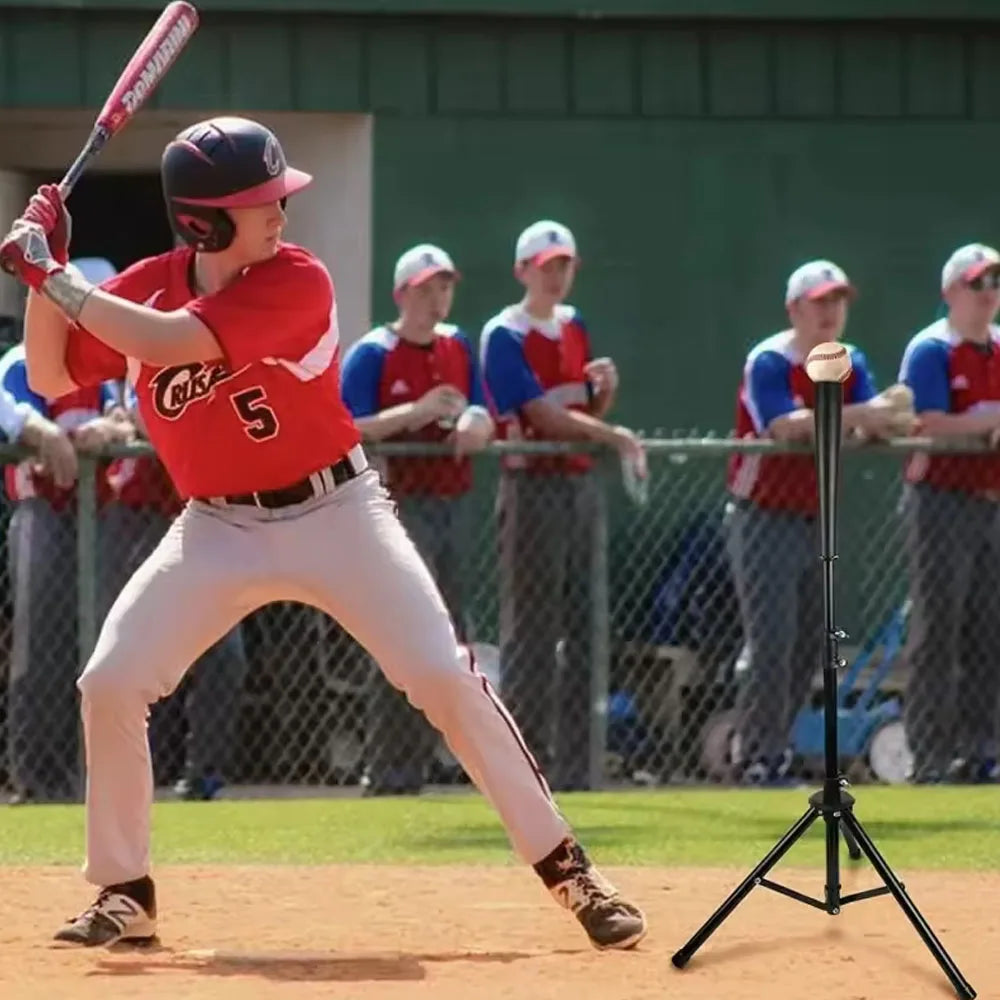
(771, 519)
(416, 379)
(952, 512)
(545, 384)
(42, 731)
(231, 344)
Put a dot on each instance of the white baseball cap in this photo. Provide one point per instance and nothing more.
(420, 263)
(542, 241)
(816, 279)
(968, 263)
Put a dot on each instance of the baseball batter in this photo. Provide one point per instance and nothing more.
(231, 344)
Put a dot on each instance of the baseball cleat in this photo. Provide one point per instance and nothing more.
(121, 913)
(608, 918)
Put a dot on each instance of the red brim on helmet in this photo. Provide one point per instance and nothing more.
(285, 184)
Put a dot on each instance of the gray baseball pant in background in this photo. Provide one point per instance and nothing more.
(547, 606)
(953, 641)
(777, 574)
(399, 741)
(42, 708)
(127, 535)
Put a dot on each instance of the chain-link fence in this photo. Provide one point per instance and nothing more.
(673, 637)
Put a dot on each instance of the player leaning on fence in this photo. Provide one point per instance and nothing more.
(771, 518)
(417, 379)
(544, 384)
(42, 727)
(952, 510)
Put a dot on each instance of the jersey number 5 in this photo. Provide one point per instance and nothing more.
(259, 421)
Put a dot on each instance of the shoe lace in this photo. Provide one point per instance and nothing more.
(589, 888)
(94, 907)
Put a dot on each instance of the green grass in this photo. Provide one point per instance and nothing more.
(956, 828)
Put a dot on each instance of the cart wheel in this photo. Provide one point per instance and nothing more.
(889, 754)
(717, 746)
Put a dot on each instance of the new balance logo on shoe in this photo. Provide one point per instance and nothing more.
(112, 917)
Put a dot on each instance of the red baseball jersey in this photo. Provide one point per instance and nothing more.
(266, 415)
(953, 375)
(774, 383)
(382, 370)
(524, 359)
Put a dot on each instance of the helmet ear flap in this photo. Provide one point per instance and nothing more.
(207, 229)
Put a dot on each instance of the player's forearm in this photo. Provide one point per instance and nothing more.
(856, 416)
(133, 330)
(46, 331)
(799, 425)
(36, 429)
(150, 336)
(936, 423)
(602, 403)
(558, 424)
(389, 423)
(117, 431)
(795, 426)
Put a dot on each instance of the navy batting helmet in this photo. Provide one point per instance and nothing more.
(218, 164)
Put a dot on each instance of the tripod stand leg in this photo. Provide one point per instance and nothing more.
(955, 977)
(852, 845)
(683, 955)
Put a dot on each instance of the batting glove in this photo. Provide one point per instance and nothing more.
(25, 253)
(47, 208)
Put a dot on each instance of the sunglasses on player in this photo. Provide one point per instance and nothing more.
(991, 280)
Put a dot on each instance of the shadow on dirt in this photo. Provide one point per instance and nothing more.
(290, 966)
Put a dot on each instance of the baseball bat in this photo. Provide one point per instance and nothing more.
(149, 63)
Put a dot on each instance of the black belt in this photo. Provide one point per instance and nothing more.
(299, 492)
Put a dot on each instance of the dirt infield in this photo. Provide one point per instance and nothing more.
(402, 933)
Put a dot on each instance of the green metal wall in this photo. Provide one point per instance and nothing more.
(698, 162)
(877, 10)
(698, 168)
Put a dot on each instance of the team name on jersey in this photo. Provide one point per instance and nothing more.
(176, 388)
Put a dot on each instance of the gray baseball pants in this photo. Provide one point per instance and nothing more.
(547, 608)
(777, 574)
(953, 641)
(42, 715)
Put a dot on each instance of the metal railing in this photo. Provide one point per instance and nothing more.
(669, 637)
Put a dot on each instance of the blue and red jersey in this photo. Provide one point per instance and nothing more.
(383, 370)
(524, 359)
(21, 481)
(949, 374)
(775, 383)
